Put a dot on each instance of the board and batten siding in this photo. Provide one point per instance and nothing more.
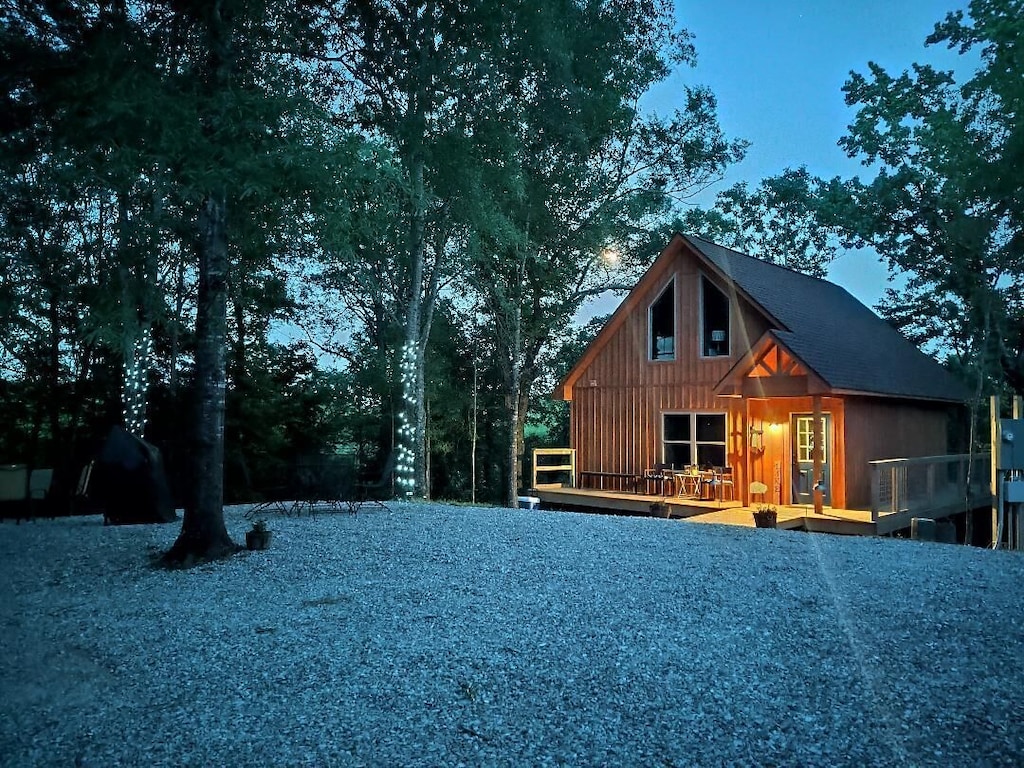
(618, 400)
(618, 397)
(886, 429)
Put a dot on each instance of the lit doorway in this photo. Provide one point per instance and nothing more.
(803, 458)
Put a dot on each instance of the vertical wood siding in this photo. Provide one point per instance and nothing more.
(884, 429)
(775, 418)
(618, 400)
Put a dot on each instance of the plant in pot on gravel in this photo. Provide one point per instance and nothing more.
(765, 516)
(259, 536)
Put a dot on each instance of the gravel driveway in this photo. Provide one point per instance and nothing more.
(436, 635)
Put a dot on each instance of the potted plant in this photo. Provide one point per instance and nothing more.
(259, 536)
(765, 516)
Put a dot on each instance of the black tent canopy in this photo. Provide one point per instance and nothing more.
(130, 483)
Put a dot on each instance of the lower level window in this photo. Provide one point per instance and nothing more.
(693, 438)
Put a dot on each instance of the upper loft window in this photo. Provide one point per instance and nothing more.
(661, 321)
(714, 320)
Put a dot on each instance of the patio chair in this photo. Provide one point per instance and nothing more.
(660, 475)
(13, 490)
(39, 490)
(722, 481)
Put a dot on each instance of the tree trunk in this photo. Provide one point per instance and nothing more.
(514, 375)
(175, 330)
(426, 447)
(410, 472)
(473, 435)
(512, 440)
(203, 533)
(53, 366)
(522, 411)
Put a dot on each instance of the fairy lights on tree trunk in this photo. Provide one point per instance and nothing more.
(133, 393)
(405, 467)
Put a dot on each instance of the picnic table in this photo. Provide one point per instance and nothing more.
(318, 484)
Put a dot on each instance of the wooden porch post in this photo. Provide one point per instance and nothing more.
(997, 502)
(747, 468)
(819, 438)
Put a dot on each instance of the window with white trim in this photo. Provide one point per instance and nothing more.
(661, 324)
(805, 440)
(693, 438)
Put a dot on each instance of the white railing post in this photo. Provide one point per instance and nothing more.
(930, 481)
(876, 491)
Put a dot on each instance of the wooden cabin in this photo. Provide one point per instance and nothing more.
(716, 358)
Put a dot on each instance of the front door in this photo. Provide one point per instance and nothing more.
(803, 458)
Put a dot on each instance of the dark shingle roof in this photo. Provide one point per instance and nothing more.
(844, 342)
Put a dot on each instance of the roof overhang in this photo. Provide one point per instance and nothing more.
(661, 266)
(656, 271)
(771, 369)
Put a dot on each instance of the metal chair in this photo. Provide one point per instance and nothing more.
(722, 479)
(661, 474)
(39, 489)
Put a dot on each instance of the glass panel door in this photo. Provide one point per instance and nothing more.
(803, 458)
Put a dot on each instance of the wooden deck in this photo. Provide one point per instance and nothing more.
(840, 521)
(623, 501)
(850, 522)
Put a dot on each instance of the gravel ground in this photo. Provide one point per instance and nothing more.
(435, 635)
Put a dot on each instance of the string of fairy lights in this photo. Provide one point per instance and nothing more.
(133, 394)
(405, 467)
(134, 401)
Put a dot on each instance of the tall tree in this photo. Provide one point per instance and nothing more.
(944, 207)
(61, 230)
(435, 82)
(245, 90)
(156, 148)
(777, 221)
(591, 174)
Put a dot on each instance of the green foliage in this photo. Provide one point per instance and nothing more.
(547, 424)
(778, 221)
(587, 174)
(118, 122)
(283, 408)
(379, 172)
(944, 206)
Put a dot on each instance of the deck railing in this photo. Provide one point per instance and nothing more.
(564, 464)
(929, 485)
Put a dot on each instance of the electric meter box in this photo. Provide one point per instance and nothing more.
(1013, 491)
(1011, 444)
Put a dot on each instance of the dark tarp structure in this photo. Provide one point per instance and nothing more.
(129, 482)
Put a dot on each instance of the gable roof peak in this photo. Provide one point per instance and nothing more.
(839, 339)
(837, 336)
(703, 245)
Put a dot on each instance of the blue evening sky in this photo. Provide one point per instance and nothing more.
(777, 68)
